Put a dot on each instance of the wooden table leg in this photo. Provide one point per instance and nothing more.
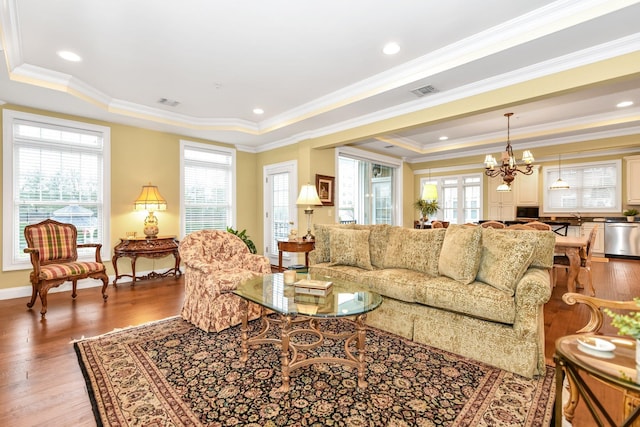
(574, 267)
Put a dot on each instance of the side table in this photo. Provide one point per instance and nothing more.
(134, 247)
(616, 368)
(305, 246)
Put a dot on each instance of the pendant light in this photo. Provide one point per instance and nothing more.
(559, 184)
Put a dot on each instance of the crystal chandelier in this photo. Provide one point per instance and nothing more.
(509, 166)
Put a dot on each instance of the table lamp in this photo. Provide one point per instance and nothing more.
(151, 201)
(309, 197)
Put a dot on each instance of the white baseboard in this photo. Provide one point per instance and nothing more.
(25, 291)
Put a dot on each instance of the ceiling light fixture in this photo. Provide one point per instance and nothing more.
(559, 184)
(509, 167)
(69, 56)
(258, 111)
(391, 48)
(624, 104)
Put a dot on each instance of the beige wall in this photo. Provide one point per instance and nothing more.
(140, 156)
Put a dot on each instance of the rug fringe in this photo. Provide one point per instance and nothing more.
(82, 338)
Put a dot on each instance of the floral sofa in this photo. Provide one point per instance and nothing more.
(215, 263)
(478, 292)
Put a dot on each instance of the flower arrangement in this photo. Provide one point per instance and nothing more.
(627, 324)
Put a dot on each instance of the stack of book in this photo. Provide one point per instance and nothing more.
(319, 288)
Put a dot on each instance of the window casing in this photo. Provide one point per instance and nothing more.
(460, 197)
(594, 187)
(368, 186)
(208, 176)
(54, 168)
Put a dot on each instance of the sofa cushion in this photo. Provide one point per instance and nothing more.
(504, 260)
(543, 243)
(478, 300)
(350, 247)
(460, 254)
(377, 241)
(412, 249)
(396, 283)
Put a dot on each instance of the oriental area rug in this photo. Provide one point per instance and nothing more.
(169, 373)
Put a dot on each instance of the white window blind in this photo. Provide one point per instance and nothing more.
(208, 185)
(593, 187)
(53, 169)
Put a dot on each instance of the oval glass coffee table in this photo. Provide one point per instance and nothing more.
(346, 299)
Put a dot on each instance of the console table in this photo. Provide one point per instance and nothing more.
(134, 247)
(305, 246)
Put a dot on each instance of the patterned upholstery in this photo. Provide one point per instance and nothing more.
(216, 262)
(52, 247)
(497, 322)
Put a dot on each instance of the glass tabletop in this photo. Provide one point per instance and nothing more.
(344, 299)
(617, 366)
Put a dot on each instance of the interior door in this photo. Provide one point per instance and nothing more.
(279, 207)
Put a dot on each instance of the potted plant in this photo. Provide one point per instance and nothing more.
(245, 238)
(628, 324)
(426, 208)
(630, 214)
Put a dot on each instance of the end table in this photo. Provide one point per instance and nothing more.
(305, 246)
(134, 247)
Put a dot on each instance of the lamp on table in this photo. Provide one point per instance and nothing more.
(309, 197)
(151, 201)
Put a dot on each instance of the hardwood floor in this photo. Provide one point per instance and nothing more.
(41, 383)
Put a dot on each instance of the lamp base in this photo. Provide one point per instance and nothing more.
(309, 236)
(151, 226)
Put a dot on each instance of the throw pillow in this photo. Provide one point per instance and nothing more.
(350, 247)
(460, 254)
(504, 259)
(412, 249)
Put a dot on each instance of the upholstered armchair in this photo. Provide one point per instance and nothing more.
(53, 249)
(215, 263)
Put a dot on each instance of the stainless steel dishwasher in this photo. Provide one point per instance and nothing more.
(622, 239)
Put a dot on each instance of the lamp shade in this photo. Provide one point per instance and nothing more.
(560, 184)
(429, 192)
(308, 196)
(150, 200)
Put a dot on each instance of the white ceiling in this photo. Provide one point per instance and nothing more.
(316, 68)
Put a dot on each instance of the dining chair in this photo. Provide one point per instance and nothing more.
(539, 226)
(493, 224)
(53, 249)
(562, 261)
(520, 227)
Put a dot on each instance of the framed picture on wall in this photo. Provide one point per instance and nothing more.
(324, 187)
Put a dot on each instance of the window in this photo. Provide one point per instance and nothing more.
(208, 187)
(593, 188)
(279, 207)
(56, 169)
(460, 198)
(368, 185)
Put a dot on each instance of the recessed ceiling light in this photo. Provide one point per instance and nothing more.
(258, 111)
(443, 138)
(391, 48)
(69, 56)
(624, 104)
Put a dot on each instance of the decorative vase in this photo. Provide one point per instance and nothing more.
(631, 218)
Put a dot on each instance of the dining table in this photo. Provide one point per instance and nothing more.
(571, 246)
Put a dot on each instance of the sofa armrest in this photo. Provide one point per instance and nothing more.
(532, 292)
(203, 267)
(257, 263)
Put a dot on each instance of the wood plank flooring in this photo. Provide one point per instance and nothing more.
(40, 379)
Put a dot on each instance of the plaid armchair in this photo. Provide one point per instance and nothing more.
(216, 262)
(52, 247)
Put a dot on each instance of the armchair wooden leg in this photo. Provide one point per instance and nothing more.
(105, 283)
(74, 290)
(43, 300)
(34, 294)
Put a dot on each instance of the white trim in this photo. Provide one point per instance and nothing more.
(290, 167)
(8, 117)
(383, 160)
(213, 148)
